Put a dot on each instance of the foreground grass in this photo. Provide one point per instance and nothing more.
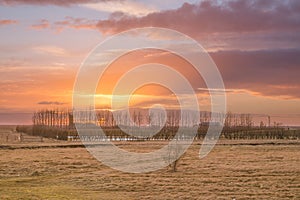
(231, 171)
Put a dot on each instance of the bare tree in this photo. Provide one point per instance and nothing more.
(248, 120)
(173, 156)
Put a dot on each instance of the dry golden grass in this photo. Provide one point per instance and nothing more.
(228, 172)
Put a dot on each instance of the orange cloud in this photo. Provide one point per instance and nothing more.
(43, 24)
(136, 8)
(4, 22)
(68, 22)
(75, 23)
(51, 50)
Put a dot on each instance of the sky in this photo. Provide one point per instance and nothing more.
(255, 44)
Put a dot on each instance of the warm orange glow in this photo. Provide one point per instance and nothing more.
(257, 55)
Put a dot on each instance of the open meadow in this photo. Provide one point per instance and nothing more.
(233, 170)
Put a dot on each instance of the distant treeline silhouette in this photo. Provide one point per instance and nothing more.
(59, 124)
(137, 117)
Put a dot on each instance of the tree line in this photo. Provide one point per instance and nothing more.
(65, 119)
(59, 124)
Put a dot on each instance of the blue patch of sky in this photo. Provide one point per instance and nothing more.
(53, 13)
(169, 4)
(22, 35)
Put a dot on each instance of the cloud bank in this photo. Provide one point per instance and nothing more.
(50, 103)
(209, 17)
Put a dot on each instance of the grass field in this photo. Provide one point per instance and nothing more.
(233, 170)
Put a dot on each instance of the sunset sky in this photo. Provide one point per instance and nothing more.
(254, 43)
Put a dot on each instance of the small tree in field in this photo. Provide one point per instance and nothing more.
(173, 156)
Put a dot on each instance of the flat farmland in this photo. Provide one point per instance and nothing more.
(233, 170)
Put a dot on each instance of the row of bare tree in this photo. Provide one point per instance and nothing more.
(53, 118)
(140, 117)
